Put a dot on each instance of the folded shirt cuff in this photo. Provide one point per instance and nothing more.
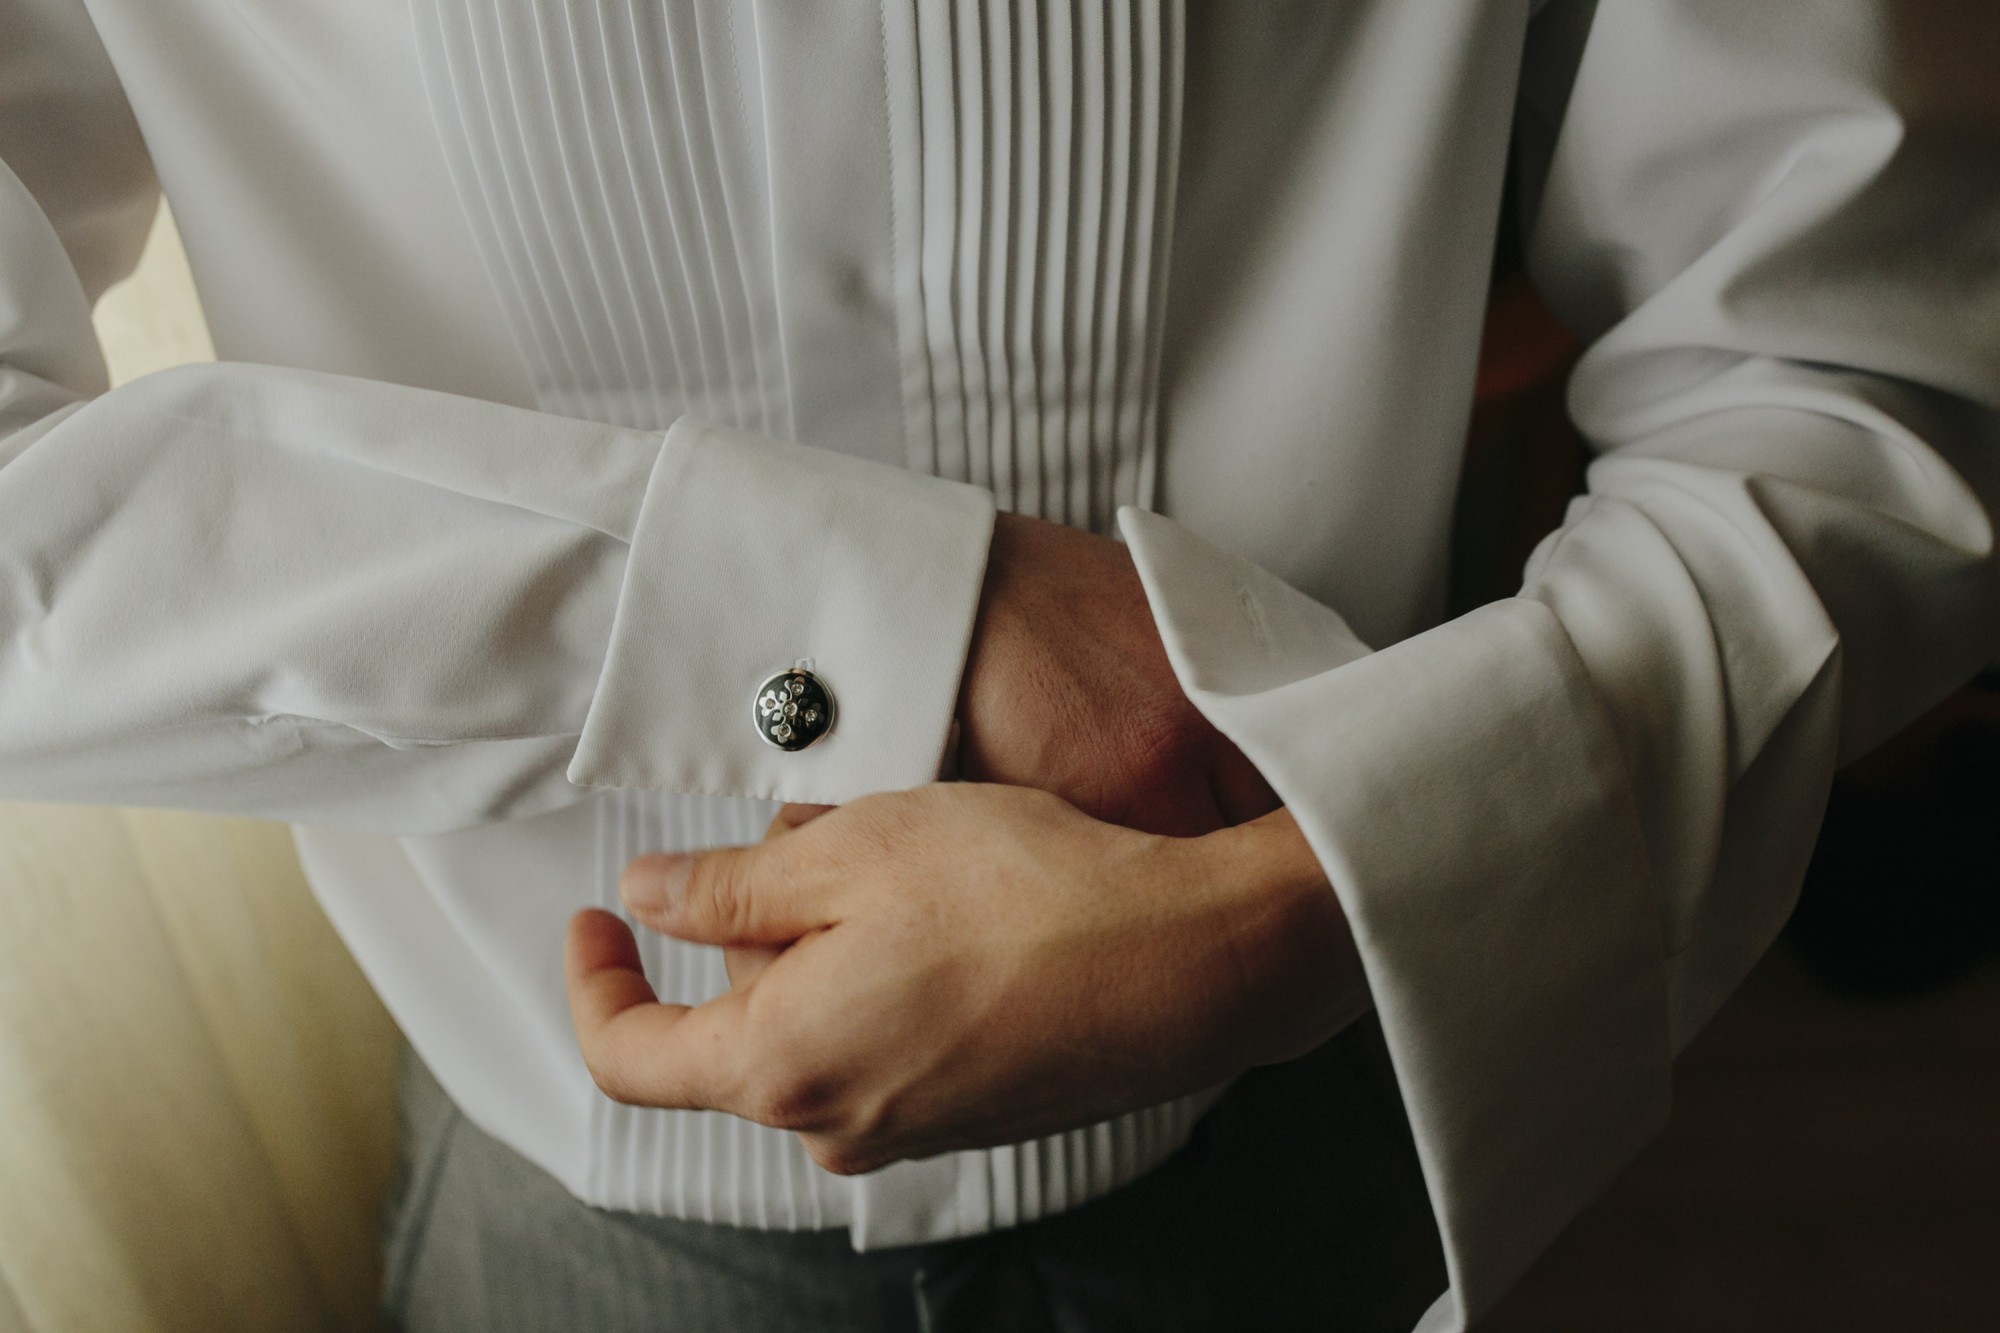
(752, 556)
(1466, 795)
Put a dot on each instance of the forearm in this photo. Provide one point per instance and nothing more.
(1293, 919)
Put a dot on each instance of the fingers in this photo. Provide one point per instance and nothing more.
(1187, 811)
(790, 817)
(640, 1050)
(1240, 790)
(726, 895)
(601, 964)
(743, 964)
(656, 890)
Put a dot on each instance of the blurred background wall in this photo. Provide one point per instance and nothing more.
(1833, 1160)
(195, 1121)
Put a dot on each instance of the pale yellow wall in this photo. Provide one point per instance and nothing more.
(152, 320)
(195, 1125)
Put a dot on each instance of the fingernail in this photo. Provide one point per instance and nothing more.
(655, 883)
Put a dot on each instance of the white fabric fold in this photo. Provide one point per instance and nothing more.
(1489, 862)
(752, 556)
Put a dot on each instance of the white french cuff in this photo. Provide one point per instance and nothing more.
(752, 556)
(1466, 795)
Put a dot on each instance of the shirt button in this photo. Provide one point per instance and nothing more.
(793, 709)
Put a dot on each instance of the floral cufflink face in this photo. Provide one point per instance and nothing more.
(793, 709)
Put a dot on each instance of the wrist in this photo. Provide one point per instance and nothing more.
(1300, 971)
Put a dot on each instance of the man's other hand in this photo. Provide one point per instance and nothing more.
(1068, 689)
(969, 965)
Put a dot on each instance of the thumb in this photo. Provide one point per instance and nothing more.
(790, 817)
(726, 895)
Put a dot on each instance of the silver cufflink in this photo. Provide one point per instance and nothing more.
(793, 709)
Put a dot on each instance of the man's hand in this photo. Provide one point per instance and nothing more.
(969, 965)
(1067, 689)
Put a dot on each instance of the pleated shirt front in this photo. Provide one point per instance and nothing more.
(630, 174)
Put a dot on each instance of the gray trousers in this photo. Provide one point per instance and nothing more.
(1297, 1206)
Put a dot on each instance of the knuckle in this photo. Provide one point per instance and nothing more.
(787, 1101)
(864, 1139)
(1038, 803)
(1161, 742)
(775, 1104)
(844, 845)
(719, 887)
(611, 1082)
(875, 821)
(838, 1156)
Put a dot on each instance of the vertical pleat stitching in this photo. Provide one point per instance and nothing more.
(558, 185)
(530, 316)
(903, 112)
(1030, 1173)
(1055, 1172)
(969, 50)
(938, 101)
(716, 256)
(559, 182)
(1173, 73)
(616, 289)
(1086, 271)
(1040, 167)
(660, 200)
(1057, 373)
(1028, 484)
(1001, 140)
(505, 137)
(739, 226)
(757, 190)
(621, 293)
(1107, 294)
(624, 63)
(1076, 1156)
(557, 207)
(705, 291)
(1035, 265)
(1033, 216)
(1141, 140)
(1004, 1163)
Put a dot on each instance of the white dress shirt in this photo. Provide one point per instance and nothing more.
(584, 362)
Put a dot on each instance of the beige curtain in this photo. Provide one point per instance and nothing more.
(195, 1119)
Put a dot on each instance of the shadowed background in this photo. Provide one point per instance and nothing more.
(195, 1117)
(1833, 1160)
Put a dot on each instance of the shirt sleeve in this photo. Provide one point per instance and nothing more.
(1566, 825)
(268, 591)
